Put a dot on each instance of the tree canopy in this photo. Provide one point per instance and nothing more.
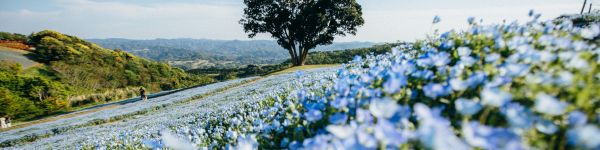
(300, 25)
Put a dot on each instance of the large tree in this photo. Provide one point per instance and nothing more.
(301, 25)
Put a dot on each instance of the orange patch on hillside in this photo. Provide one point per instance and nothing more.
(14, 44)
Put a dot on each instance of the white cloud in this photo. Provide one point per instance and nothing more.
(93, 19)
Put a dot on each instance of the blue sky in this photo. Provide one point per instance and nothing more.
(385, 20)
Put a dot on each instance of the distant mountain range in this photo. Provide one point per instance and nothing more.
(205, 53)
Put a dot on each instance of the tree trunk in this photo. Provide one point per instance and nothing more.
(297, 55)
(293, 55)
(301, 58)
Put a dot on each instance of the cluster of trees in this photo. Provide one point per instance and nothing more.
(74, 67)
(13, 37)
(29, 96)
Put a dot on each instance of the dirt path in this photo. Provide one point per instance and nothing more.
(16, 55)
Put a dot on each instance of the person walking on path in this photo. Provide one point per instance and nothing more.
(143, 94)
(8, 122)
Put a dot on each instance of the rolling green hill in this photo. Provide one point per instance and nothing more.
(204, 53)
(76, 72)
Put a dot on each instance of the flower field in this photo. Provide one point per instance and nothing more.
(532, 85)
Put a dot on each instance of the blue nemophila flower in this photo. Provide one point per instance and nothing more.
(447, 44)
(341, 102)
(434, 131)
(445, 35)
(539, 78)
(300, 73)
(490, 138)
(495, 97)
(231, 134)
(247, 142)
(341, 131)
(435, 90)
(357, 58)
(518, 116)
(546, 56)
(338, 118)
(467, 107)
(436, 19)
(585, 136)
(440, 59)
(577, 118)
(577, 62)
(365, 139)
(471, 20)
(580, 45)
(313, 115)
(403, 68)
(466, 61)
(286, 122)
(548, 104)
(402, 115)
(458, 84)
(385, 132)
(514, 69)
(498, 81)
(152, 144)
(464, 51)
(531, 13)
(546, 126)
(423, 74)
(424, 61)
(476, 78)
(394, 83)
(363, 116)
(383, 108)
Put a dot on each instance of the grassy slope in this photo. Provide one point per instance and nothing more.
(74, 74)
